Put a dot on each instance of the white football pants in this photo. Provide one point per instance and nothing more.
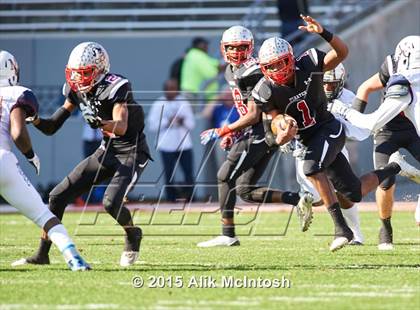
(18, 191)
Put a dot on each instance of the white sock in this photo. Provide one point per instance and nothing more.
(59, 236)
(417, 214)
(352, 218)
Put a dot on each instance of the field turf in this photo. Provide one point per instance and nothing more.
(353, 278)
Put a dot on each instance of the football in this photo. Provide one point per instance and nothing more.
(281, 121)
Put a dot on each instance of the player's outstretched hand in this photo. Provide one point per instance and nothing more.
(213, 134)
(338, 108)
(311, 25)
(34, 161)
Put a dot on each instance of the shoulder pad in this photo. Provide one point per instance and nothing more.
(248, 68)
(113, 84)
(398, 79)
(312, 55)
(397, 91)
(262, 91)
(398, 86)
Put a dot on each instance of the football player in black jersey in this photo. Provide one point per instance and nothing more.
(295, 87)
(106, 102)
(398, 133)
(249, 153)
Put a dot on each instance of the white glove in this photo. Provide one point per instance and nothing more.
(34, 161)
(31, 119)
(338, 108)
(287, 147)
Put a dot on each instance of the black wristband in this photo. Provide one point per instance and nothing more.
(359, 105)
(29, 154)
(326, 35)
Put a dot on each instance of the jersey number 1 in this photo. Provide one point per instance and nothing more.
(308, 120)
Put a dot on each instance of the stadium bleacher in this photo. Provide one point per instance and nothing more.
(41, 16)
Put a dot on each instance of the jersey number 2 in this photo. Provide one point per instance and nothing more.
(308, 120)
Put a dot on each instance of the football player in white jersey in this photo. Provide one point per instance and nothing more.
(402, 91)
(17, 103)
(398, 132)
(335, 92)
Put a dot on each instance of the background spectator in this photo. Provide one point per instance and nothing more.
(176, 67)
(289, 13)
(197, 68)
(172, 118)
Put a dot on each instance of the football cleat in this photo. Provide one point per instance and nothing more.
(385, 246)
(304, 210)
(74, 260)
(77, 263)
(219, 241)
(343, 238)
(355, 242)
(33, 260)
(406, 169)
(338, 243)
(128, 258)
(132, 247)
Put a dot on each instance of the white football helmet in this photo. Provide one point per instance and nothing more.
(407, 54)
(336, 79)
(241, 41)
(88, 63)
(276, 60)
(9, 69)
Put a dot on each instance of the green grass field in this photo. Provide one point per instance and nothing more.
(353, 278)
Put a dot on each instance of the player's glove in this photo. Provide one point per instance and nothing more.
(287, 148)
(31, 119)
(90, 114)
(300, 150)
(214, 134)
(338, 108)
(33, 160)
(230, 139)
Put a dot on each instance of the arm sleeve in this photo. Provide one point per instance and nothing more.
(390, 108)
(51, 125)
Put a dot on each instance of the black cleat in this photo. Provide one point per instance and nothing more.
(385, 238)
(33, 260)
(132, 246)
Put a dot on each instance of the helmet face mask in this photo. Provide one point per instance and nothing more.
(237, 53)
(88, 64)
(9, 69)
(81, 79)
(334, 82)
(277, 61)
(237, 45)
(280, 70)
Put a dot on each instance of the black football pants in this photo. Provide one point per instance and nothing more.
(123, 170)
(244, 165)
